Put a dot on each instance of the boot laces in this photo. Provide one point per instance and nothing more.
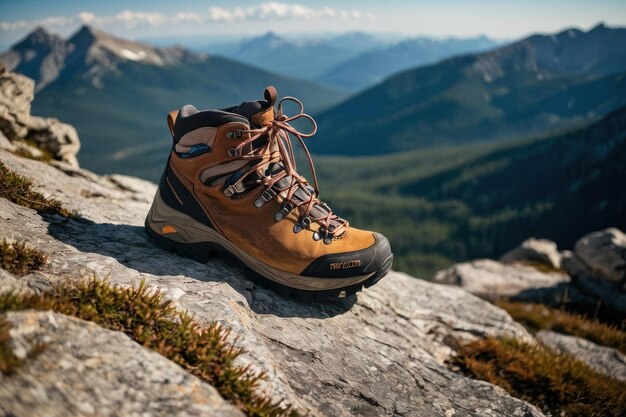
(279, 132)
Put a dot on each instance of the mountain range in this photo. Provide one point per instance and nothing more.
(372, 66)
(350, 61)
(540, 84)
(116, 92)
(305, 58)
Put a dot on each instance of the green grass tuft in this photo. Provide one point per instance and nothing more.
(45, 156)
(153, 322)
(20, 259)
(18, 189)
(558, 384)
(539, 317)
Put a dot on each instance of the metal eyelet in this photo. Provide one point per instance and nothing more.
(266, 196)
(317, 236)
(297, 228)
(284, 211)
(234, 134)
(328, 239)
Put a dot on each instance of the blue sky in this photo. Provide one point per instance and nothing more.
(495, 18)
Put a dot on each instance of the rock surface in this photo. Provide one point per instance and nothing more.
(493, 279)
(541, 251)
(603, 359)
(602, 290)
(603, 253)
(16, 94)
(85, 370)
(380, 353)
(60, 139)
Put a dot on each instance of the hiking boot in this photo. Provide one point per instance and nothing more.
(231, 183)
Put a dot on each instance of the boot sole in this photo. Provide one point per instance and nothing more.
(198, 241)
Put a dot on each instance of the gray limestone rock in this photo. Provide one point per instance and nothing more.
(380, 353)
(494, 279)
(18, 126)
(541, 251)
(59, 139)
(85, 370)
(603, 253)
(16, 94)
(603, 359)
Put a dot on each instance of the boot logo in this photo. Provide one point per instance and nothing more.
(345, 265)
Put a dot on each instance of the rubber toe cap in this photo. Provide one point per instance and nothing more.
(354, 263)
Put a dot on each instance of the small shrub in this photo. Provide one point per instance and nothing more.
(18, 189)
(20, 259)
(153, 322)
(539, 317)
(558, 384)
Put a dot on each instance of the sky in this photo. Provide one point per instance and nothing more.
(499, 19)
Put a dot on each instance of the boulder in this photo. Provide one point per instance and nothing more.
(16, 94)
(382, 352)
(540, 251)
(603, 359)
(493, 279)
(85, 370)
(603, 253)
(59, 139)
(603, 291)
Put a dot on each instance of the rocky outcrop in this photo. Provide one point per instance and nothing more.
(598, 267)
(16, 94)
(22, 130)
(603, 253)
(540, 251)
(591, 276)
(59, 139)
(380, 353)
(493, 279)
(85, 370)
(603, 359)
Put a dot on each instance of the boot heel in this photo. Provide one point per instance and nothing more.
(176, 232)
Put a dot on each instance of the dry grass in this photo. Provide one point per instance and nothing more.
(541, 267)
(556, 383)
(153, 322)
(539, 317)
(8, 361)
(20, 259)
(19, 190)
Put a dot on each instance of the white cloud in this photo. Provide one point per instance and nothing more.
(128, 19)
(282, 11)
(52, 21)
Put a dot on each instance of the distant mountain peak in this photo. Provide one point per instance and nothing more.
(39, 31)
(39, 36)
(270, 35)
(89, 34)
(600, 27)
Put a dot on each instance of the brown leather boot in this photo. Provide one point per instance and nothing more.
(231, 183)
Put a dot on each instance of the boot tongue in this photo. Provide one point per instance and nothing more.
(259, 112)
